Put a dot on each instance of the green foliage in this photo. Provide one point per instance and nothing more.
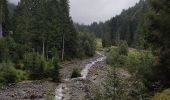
(42, 25)
(54, 71)
(97, 28)
(76, 73)
(162, 96)
(106, 40)
(114, 86)
(4, 18)
(21, 75)
(118, 56)
(87, 44)
(123, 48)
(112, 56)
(129, 24)
(35, 64)
(7, 73)
(9, 50)
(39, 68)
(39, 26)
(115, 59)
(140, 63)
(159, 28)
(120, 85)
(99, 43)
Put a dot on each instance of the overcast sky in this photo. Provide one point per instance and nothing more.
(88, 11)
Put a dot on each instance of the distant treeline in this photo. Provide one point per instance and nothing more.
(129, 26)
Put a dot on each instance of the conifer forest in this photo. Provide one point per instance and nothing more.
(46, 55)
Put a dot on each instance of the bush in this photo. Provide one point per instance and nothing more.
(35, 64)
(112, 56)
(39, 68)
(7, 73)
(76, 73)
(115, 59)
(54, 70)
(9, 50)
(87, 44)
(123, 48)
(55, 75)
(21, 75)
(141, 63)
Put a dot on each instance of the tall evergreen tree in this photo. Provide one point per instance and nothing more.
(69, 33)
(160, 36)
(4, 18)
(1, 18)
(43, 25)
(22, 22)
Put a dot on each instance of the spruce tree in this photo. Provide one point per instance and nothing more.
(4, 18)
(69, 33)
(160, 36)
(22, 22)
(1, 18)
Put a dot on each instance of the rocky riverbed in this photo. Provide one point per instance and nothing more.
(38, 90)
(68, 89)
(80, 88)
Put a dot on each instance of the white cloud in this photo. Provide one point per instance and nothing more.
(88, 11)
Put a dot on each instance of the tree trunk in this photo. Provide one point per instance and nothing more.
(1, 31)
(62, 56)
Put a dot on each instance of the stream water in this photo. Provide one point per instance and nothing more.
(62, 88)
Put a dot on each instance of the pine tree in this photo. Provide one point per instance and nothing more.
(0, 18)
(160, 36)
(69, 32)
(22, 22)
(4, 18)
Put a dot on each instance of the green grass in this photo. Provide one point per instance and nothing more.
(99, 43)
(165, 95)
(76, 73)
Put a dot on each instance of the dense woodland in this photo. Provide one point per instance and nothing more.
(38, 35)
(146, 28)
(129, 25)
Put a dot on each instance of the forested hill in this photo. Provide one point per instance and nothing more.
(130, 23)
(129, 26)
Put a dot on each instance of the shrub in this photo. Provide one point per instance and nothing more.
(54, 70)
(140, 62)
(123, 48)
(112, 56)
(87, 44)
(21, 75)
(38, 68)
(115, 59)
(55, 75)
(162, 96)
(35, 64)
(76, 73)
(7, 73)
